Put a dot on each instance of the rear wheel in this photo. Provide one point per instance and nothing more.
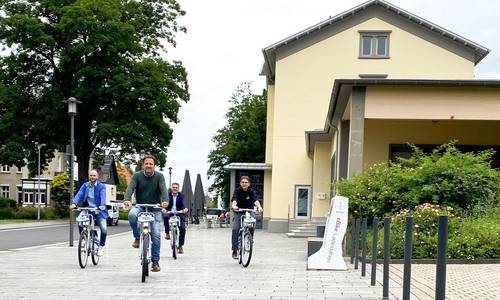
(144, 258)
(247, 248)
(83, 248)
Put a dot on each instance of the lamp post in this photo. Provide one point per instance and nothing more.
(169, 177)
(39, 146)
(72, 103)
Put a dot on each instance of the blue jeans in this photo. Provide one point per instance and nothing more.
(103, 226)
(155, 230)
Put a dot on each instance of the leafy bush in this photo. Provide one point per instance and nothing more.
(471, 237)
(445, 177)
(31, 213)
(7, 213)
(6, 202)
(123, 214)
(59, 194)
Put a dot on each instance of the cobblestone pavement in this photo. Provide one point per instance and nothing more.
(472, 281)
(205, 271)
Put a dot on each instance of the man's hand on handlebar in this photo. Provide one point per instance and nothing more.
(72, 206)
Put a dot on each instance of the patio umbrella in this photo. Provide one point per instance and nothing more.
(199, 197)
(187, 190)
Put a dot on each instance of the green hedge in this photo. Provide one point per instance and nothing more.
(445, 177)
(30, 213)
(470, 237)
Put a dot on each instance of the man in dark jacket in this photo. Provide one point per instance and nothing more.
(243, 197)
(93, 194)
(176, 204)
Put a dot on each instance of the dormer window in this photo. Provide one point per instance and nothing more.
(374, 44)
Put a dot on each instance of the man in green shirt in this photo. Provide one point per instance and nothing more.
(149, 187)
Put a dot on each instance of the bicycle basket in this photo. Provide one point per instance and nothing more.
(83, 219)
(146, 218)
(249, 221)
(174, 221)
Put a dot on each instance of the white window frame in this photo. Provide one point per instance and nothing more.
(3, 193)
(374, 35)
(5, 169)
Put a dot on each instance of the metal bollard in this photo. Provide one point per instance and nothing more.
(374, 251)
(407, 258)
(387, 257)
(353, 226)
(441, 258)
(363, 251)
(356, 244)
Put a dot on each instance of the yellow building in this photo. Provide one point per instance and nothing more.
(355, 89)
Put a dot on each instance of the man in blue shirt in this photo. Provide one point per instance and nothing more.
(93, 194)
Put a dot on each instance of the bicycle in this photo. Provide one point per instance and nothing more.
(245, 236)
(145, 218)
(88, 243)
(174, 222)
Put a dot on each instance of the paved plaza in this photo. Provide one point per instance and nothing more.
(206, 271)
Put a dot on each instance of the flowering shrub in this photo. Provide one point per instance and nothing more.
(470, 238)
(444, 177)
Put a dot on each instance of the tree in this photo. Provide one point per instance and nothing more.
(59, 190)
(109, 54)
(243, 139)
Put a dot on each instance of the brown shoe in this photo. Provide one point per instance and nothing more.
(155, 267)
(135, 244)
(167, 236)
(180, 250)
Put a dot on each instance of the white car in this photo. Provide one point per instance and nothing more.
(114, 214)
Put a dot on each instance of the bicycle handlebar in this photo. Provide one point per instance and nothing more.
(87, 209)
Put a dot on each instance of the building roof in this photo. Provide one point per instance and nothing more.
(342, 89)
(315, 32)
(108, 173)
(248, 166)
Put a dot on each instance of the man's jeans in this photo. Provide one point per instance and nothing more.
(103, 226)
(155, 230)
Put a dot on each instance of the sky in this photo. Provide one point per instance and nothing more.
(223, 48)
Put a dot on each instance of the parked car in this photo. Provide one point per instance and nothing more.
(114, 214)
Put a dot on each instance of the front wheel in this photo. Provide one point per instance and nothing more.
(144, 257)
(247, 248)
(173, 242)
(83, 247)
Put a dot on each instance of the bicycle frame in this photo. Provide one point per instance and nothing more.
(247, 223)
(87, 221)
(145, 219)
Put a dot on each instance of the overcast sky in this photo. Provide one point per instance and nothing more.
(222, 48)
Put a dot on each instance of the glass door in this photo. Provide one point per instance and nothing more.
(302, 201)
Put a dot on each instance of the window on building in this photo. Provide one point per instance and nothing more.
(19, 193)
(19, 170)
(5, 169)
(5, 191)
(374, 45)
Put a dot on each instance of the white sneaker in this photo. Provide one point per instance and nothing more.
(100, 251)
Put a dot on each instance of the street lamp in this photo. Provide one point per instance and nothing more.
(39, 146)
(72, 103)
(169, 177)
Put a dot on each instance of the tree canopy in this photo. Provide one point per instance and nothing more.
(108, 54)
(242, 139)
